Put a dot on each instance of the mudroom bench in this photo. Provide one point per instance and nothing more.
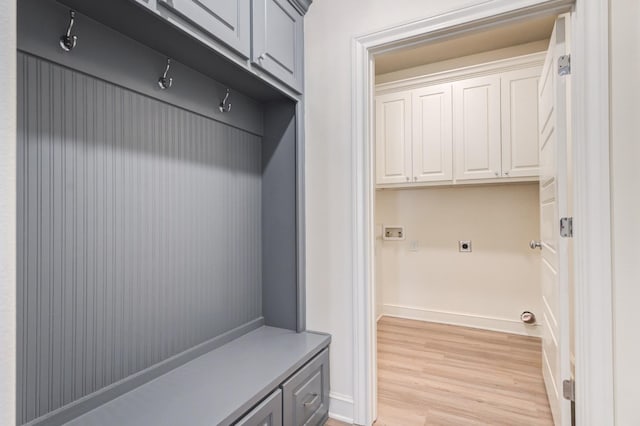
(270, 376)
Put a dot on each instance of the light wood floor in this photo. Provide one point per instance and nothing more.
(332, 422)
(437, 375)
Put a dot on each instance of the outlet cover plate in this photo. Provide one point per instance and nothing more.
(393, 232)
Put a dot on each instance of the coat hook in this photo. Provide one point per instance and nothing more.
(224, 106)
(68, 41)
(163, 81)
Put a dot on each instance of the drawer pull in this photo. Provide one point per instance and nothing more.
(314, 398)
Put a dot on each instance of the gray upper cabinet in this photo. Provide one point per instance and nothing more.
(277, 46)
(266, 37)
(228, 21)
(151, 4)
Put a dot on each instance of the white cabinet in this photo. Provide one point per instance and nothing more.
(476, 123)
(413, 136)
(432, 134)
(393, 138)
(520, 122)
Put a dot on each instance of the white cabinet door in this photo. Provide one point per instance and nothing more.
(520, 123)
(476, 112)
(393, 138)
(432, 134)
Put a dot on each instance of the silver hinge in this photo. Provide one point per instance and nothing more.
(569, 390)
(566, 227)
(564, 65)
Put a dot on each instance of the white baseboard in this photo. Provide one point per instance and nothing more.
(466, 320)
(341, 407)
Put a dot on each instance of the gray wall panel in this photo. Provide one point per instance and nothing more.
(138, 236)
(279, 219)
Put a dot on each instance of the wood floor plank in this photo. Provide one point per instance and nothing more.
(333, 422)
(435, 374)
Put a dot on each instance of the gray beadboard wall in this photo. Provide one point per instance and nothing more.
(139, 233)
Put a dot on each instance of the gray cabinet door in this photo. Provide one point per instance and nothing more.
(228, 21)
(267, 413)
(305, 396)
(150, 4)
(278, 41)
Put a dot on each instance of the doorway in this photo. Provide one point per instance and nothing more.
(588, 263)
(457, 203)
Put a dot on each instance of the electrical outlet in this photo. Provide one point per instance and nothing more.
(464, 246)
(393, 232)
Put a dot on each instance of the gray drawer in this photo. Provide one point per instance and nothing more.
(267, 413)
(305, 396)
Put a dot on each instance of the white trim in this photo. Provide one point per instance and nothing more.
(8, 208)
(340, 418)
(456, 183)
(482, 322)
(341, 407)
(593, 320)
(592, 215)
(364, 389)
(488, 68)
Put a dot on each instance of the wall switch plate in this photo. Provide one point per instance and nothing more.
(414, 245)
(393, 232)
(464, 246)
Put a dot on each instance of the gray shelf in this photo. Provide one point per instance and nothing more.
(215, 388)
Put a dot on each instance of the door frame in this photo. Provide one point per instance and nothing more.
(592, 226)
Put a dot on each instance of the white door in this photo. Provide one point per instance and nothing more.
(476, 112)
(393, 138)
(554, 134)
(520, 144)
(432, 138)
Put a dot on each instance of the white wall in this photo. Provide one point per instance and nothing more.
(7, 212)
(330, 27)
(487, 288)
(625, 158)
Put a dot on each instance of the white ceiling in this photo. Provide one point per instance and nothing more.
(496, 38)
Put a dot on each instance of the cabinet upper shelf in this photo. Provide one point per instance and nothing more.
(223, 39)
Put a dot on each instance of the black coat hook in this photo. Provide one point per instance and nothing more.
(68, 41)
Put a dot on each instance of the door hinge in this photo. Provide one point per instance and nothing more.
(564, 65)
(569, 390)
(566, 227)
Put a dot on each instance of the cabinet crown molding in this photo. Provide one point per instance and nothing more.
(478, 70)
(301, 6)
